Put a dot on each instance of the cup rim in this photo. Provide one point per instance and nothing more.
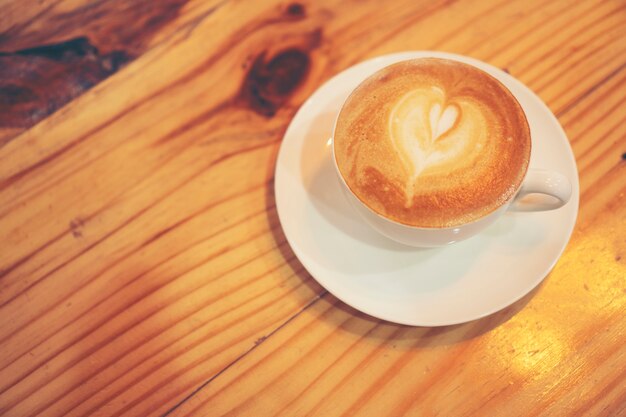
(451, 57)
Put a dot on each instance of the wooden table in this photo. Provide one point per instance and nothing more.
(143, 268)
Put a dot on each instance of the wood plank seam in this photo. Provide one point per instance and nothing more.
(208, 381)
(216, 351)
(333, 363)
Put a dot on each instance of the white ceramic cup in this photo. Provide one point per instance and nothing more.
(555, 187)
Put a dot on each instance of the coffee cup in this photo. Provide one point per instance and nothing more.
(431, 151)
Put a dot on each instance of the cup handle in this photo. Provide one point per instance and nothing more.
(545, 182)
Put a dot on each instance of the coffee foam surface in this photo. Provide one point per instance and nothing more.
(432, 143)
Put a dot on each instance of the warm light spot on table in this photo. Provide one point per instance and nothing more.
(528, 346)
(589, 279)
(539, 351)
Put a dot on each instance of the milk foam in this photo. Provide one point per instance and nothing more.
(427, 130)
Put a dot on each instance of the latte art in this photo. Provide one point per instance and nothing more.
(432, 143)
(426, 132)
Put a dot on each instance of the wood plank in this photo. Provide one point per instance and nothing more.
(146, 259)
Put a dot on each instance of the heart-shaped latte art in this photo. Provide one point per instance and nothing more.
(423, 128)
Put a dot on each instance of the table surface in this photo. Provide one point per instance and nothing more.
(143, 269)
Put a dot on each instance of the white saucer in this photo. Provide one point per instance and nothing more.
(422, 287)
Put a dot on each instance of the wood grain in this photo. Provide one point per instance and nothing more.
(143, 270)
